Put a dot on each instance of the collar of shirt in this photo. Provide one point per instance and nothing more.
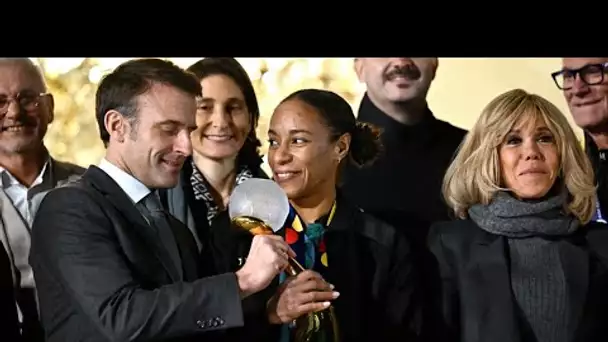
(135, 189)
(7, 179)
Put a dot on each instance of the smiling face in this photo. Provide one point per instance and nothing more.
(303, 158)
(222, 119)
(25, 113)
(396, 79)
(154, 145)
(529, 160)
(588, 103)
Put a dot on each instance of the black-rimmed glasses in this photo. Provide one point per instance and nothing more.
(27, 101)
(591, 74)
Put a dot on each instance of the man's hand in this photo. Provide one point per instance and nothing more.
(268, 256)
(297, 296)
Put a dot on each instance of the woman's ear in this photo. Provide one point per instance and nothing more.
(342, 146)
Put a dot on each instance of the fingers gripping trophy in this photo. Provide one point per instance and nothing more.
(261, 207)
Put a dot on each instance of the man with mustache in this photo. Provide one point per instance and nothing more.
(406, 180)
(404, 186)
(584, 82)
(110, 263)
(27, 173)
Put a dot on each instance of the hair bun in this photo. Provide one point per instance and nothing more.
(365, 145)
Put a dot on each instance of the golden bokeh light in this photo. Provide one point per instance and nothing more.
(459, 92)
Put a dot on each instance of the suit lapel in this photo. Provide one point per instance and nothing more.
(576, 273)
(120, 200)
(497, 314)
(492, 299)
(186, 246)
(344, 266)
(9, 217)
(60, 175)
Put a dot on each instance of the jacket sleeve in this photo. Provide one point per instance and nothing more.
(445, 305)
(257, 325)
(74, 242)
(402, 310)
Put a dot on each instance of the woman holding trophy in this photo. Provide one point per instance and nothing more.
(358, 269)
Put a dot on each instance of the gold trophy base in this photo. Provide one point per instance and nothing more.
(319, 326)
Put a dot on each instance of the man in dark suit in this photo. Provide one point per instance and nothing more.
(584, 83)
(109, 263)
(27, 173)
(403, 187)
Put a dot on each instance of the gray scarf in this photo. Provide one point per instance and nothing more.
(510, 217)
(538, 281)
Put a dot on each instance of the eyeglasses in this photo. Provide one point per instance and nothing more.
(27, 101)
(591, 74)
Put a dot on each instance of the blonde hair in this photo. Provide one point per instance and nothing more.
(475, 176)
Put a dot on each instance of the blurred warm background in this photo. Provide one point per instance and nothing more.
(461, 89)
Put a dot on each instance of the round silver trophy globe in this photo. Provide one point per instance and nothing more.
(262, 199)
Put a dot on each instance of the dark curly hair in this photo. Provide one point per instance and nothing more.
(338, 115)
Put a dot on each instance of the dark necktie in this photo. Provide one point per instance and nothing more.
(155, 213)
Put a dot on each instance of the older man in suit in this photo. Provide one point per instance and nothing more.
(27, 173)
(110, 264)
(584, 82)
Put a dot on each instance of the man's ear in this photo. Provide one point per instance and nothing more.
(358, 65)
(50, 103)
(342, 146)
(435, 66)
(116, 125)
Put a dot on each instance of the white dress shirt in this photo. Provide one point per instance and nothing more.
(26, 201)
(21, 195)
(135, 189)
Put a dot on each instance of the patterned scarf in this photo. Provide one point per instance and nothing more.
(202, 192)
(308, 242)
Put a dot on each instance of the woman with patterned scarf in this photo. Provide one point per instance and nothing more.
(313, 134)
(225, 153)
(522, 262)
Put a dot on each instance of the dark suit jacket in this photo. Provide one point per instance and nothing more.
(475, 302)
(224, 248)
(600, 168)
(103, 274)
(371, 266)
(9, 328)
(57, 174)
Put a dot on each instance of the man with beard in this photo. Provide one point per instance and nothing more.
(110, 264)
(403, 187)
(27, 173)
(585, 86)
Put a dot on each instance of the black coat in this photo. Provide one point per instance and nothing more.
(371, 265)
(224, 248)
(103, 273)
(473, 287)
(8, 307)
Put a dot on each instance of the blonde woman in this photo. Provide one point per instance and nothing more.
(522, 262)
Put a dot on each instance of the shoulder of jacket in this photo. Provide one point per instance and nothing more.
(454, 231)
